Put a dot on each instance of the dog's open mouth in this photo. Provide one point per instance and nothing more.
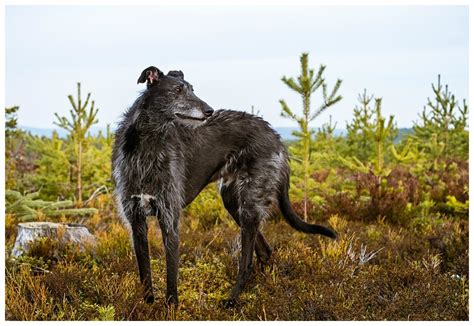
(182, 116)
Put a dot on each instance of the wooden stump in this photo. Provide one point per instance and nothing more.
(62, 232)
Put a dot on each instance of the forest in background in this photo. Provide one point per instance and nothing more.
(399, 202)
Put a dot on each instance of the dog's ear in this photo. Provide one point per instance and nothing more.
(150, 75)
(176, 73)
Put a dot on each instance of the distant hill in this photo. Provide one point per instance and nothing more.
(285, 132)
(402, 133)
(48, 132)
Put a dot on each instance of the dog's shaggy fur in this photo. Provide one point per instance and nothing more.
(170, 145)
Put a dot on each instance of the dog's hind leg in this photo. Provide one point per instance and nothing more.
(248, 232)
(249, 213)
(137, 219)
(262, 248)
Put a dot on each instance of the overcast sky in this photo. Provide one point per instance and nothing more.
(233, 56)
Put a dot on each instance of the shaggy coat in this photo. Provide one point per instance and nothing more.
(169, 145)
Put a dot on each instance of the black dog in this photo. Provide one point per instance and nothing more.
(169, 145)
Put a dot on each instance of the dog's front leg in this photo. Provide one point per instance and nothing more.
(169, 230)
(140, 244)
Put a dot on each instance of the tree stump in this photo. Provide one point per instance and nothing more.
(62, 232)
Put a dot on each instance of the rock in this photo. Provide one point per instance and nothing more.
(63, 232)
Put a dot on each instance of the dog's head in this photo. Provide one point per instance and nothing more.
(176, 96)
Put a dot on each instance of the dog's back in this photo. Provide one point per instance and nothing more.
(170, 145)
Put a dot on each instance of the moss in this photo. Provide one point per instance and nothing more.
(416, 276)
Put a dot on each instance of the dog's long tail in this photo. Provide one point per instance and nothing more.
(296, 222)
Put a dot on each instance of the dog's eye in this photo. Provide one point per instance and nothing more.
(178, 88)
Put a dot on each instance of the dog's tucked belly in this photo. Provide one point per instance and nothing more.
(199, 175)
(231, 147)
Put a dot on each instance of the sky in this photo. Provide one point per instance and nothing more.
(234, 56)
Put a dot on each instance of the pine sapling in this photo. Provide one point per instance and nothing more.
(307, 83)
(79, 123)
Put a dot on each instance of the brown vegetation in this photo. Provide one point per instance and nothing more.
(373, 272)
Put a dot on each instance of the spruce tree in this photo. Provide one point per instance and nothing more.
(307, 83)
(79, 123)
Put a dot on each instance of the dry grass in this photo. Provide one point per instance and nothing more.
(373, 272)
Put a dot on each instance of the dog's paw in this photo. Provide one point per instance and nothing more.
(228, 303)
(149, 299)
(172, 300)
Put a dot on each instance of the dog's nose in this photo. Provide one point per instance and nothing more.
(208, 111)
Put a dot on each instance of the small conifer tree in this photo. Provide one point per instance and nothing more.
(11, 121)
(447, 119)
(54, 172)
(307, 83)
(380, 132)
(29, 207)
(11, 131)
(375, 133)
(79, 123)
(360, 145)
